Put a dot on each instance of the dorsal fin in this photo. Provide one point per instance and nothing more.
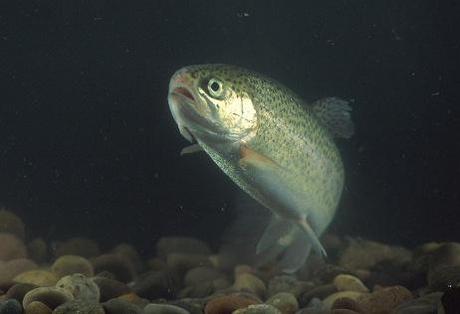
(334, 114)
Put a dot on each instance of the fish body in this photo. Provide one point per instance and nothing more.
(273, 145)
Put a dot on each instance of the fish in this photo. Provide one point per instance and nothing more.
(275, 146)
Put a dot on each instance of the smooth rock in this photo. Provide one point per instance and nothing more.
(156, 284)
(251, 283)
(193, 305)
(319, 292)
(290, 284)
(11, 223)
(344, 282)
(384, 300)
(163, 309)
(198, 275)
(50, 296)
(12, 268)
(229, 303)
(37, 277)
(11, 306)
(71, 264)
(110, 288)
(11, 247)
(315, 306)
(134, 299)
(19, 290)
(346, 304)
(331, 299)
(81, 287)
(258, 309)
(79, 246)
(168, 245)
(444, 278)
(426, 304)
(181, 262)
(118, 265)
(285, 302)
(129, 252)
(344, 311)
(79, 307)
(37, 307)
(363, 254)
(118, 306)
(325, 272)
(38, 250)
(447, 254)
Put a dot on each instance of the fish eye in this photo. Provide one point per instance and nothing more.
(215, 88)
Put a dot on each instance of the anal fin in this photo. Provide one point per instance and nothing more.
(317, 246)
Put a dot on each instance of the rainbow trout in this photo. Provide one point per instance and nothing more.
(273, 145)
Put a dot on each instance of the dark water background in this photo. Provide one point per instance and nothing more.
(88, 146)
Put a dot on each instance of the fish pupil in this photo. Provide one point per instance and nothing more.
(215, 86)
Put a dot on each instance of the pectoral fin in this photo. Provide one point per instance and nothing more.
(250, 157)
(191, 149)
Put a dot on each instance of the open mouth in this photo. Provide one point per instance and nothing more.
(184, 92)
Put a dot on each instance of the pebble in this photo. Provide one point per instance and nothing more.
(258, 309)
(201, 274)
(325, 272)
(344, 311)
(331, 299)
(37, 277)
(10, 269)
(384, 300)
(80, 287)
(164, 309)
(50, 296)
(129, 252)
(181, 262)
(168, 245)
(319, 292)
(193, 305)
(11, 306)
(133, 298)
(364, 254)
(285, 302)
(79, 307)
(71, 264)
(11, 223)
(156, 284)
(286, 283)
(229, 303)
(425, 304)
(447, 254)
(344, 282)
(118, 306)
(19, 290)
(38, 250)
(346, 303)
(11, 247)
(443, 278)
(79, 246)
(110, 288)
(118, 265)
(37, 307)
(251, 283)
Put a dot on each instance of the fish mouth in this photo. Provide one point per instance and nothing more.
(182, 91)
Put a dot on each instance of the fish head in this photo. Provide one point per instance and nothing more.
(209, 104)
